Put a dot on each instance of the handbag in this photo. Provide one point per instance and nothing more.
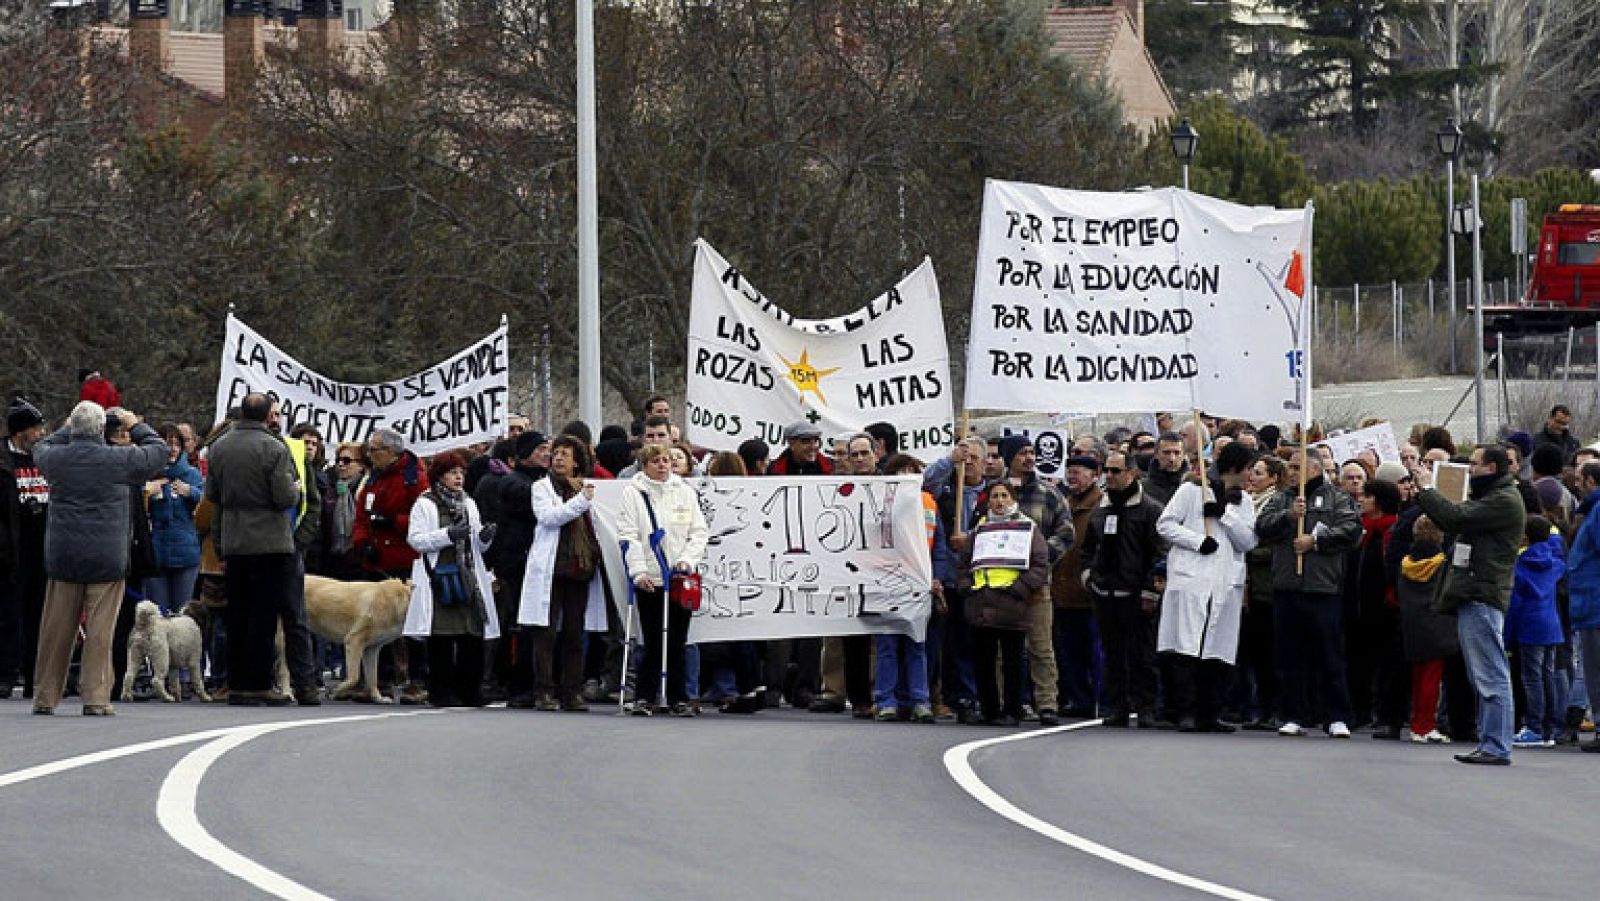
(445, 579)
(683, 589)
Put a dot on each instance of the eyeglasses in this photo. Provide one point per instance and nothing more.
(345, 460)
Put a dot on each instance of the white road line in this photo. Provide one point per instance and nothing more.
(958, 761)
(176, 807)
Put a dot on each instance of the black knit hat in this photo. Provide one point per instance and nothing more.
(1010, 445)
(22, 416)
(528, 442)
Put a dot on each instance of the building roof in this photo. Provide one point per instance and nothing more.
(1085, 34)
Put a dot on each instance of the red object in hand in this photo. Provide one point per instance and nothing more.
(685, 591)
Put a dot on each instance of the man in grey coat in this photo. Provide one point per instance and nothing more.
(252, 482)
(86, 547)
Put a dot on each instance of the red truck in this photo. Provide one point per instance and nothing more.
(1563, 290)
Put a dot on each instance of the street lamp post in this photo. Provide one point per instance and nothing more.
(1184, 141)
(1449, 138)
(1477, 310)
(589, 397)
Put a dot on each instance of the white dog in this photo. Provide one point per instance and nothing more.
(169, 644)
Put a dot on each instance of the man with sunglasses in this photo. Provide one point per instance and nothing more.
(1121, 554)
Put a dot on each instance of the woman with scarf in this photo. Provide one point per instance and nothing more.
(452, 601)
(1378, 611)
(561, 594)
(665, 532)
(347, 477)
(999, 588)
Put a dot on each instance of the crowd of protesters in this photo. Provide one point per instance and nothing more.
(1202, 576)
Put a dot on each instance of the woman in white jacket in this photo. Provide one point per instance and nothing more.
(1208, 531)
(452, 597)
(563, 592)
(681, 544)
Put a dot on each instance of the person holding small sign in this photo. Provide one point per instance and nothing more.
(1004, 567)
(1209, 530)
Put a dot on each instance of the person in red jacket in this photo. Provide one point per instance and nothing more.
(383, 514)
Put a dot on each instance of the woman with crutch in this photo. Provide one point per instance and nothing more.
(660, 523)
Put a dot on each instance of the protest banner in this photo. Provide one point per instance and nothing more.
(1379, 438)
(1159, 300)
(458, 402)
(754, 369)
(801, 557)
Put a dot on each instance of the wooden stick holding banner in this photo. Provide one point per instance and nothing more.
(961, 474)
(1200, 457)
(1300, 523)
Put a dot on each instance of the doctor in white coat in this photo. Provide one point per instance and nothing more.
(1209, 530)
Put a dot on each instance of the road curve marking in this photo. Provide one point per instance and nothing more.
(177, 806)
(958, 762)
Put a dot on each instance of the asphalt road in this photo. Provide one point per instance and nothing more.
(515, 804)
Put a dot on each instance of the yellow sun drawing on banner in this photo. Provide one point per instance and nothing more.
(807, 377)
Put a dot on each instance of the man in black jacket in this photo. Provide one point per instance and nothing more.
(512, 502)
(1310, 537)
(1122, 551)
(24, 501)
(1169, 469)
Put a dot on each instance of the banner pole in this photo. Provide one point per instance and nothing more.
(1300, 523)
(1200, 457)
(961, 475)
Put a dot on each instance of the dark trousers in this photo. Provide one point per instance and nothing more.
(502, 665)
(10, 635)
(1393, 673)
(1011, 645)
(455, 674)
(1128, 639)
(858, 653)
(1197, 687)
(562, 640)
(30, 588)
(258, 595)
(1257, 682)
(304, 673)
(119, 646)
(650, 603)
(1460, 701)
(807, 655)
(1078, 668)
(959, 687)
(1310, 655)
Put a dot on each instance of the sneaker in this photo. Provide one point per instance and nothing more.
(1337, 729)
(1528, 738)
(592, 691)
(922, 713)
(887, 714)
(642, 708)
(98, 710)
(682, 709)
(1437, 738)
(1291, 728)
(1028, 715)
(546, 703)
(42, 710)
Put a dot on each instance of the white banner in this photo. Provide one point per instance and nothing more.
(1379, 439)
(459, 402)
(800, 557)
(754, 369)
(1160, 300)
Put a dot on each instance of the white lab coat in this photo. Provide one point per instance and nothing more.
(551, 514)
(428, 538)
(1204, 599)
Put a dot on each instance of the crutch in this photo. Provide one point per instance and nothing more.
(627, 645)
(656, 538)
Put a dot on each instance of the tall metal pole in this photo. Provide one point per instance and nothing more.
(588, 227)
(1450, 249)
(1477, 312)
(1186, 176)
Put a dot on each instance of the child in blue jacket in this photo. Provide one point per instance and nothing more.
(1533, 629)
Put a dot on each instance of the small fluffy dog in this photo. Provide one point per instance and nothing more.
(169, 644)
(365, 616)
